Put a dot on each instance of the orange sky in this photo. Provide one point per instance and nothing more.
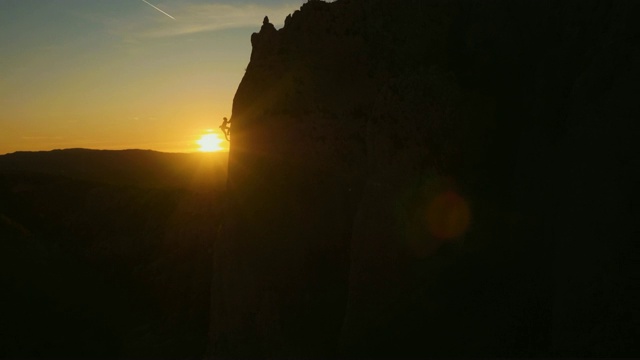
(120, 74)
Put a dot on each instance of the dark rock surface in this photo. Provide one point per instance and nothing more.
(434, 178)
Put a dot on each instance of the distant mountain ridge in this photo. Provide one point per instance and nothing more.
(145, 168)
(99, 258)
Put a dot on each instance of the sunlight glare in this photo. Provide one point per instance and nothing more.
(210, 143)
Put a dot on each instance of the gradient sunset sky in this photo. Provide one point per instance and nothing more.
(119, 74)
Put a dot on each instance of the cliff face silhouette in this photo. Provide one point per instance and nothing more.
(434, 178)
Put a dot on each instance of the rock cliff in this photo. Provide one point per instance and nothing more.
(434, 178)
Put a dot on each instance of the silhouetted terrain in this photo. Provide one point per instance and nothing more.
(106, 253)
(195, 171)
(434, 178)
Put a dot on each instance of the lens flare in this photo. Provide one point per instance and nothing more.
(448, 215)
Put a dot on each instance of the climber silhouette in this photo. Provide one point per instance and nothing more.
(225, 128)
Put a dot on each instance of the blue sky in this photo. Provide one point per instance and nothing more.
(117, 74)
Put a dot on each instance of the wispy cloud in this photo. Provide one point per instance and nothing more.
(199, 18)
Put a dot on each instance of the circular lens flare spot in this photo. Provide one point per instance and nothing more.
(448, 215)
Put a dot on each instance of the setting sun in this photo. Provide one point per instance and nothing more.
(210, 143)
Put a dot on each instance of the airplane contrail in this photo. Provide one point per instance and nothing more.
(155, 7)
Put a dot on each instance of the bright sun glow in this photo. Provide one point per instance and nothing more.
(210, 143)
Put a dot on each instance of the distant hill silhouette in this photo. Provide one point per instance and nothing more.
(144, 168)
(107, 253)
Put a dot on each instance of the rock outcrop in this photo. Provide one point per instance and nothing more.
(434, 178)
